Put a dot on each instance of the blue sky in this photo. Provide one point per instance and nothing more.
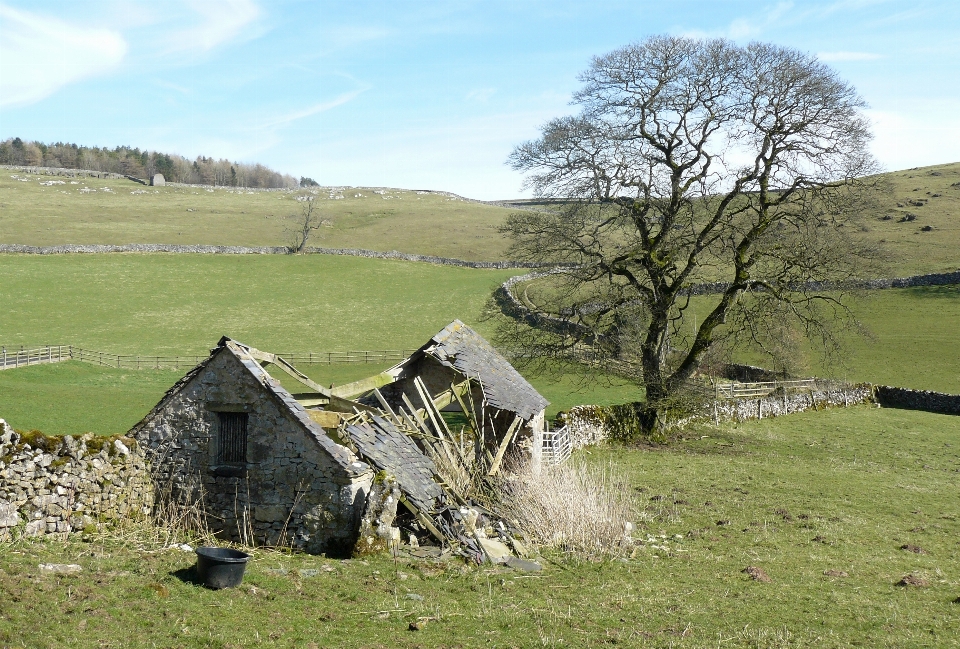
(422, 94)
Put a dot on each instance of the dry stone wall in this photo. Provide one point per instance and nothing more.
(587, 425)
(776, 405)
(939, 402)
(65, 484)
(256, 250)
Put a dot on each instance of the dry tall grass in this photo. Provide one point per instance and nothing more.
(573, 507)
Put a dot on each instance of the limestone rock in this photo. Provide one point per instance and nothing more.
(8, 514)
(377, 533)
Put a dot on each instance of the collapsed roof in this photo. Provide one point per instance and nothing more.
(413, 444)
(459, 347)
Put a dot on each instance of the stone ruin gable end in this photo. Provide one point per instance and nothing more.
(291, 489)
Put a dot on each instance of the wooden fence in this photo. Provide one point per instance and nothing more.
(11, 358)
(21, 357)
(737, 390)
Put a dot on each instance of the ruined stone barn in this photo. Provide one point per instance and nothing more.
(266, 465)
(229, 439)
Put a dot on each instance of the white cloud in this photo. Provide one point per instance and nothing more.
(40, 54)
(222, 21)
(921, 135)
(832, 57)
(746, 27)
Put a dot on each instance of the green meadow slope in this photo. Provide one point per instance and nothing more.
(181, 304)
(121, 211)
(432, 223)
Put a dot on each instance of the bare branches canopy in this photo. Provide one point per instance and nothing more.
(304, 223)
(694, 161)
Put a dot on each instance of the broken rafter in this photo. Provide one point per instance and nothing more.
(434, 419)
(362, 386)
(320, 393)
(507, 438)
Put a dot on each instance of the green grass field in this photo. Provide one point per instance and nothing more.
(169, 304)
(404, 220)
(840, 490)
(183, 304)
(429, 223)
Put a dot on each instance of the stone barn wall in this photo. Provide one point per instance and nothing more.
(288, 491)
(66, 484)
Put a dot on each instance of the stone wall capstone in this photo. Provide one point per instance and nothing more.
(66, 484)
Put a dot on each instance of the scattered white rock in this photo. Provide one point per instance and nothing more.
(60, 568)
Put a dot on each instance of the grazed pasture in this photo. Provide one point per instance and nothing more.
(122, 211)
(821, 502)
(917, 222)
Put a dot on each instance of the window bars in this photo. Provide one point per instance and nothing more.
(233, 437)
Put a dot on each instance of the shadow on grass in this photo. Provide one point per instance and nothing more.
(949, 291)
(187, 575)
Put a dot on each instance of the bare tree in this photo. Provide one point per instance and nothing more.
(693, 161)
(303, 224)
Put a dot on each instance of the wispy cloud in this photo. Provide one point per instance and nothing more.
(40, 54)
(832, 57)
(481, 95)
(746, 26)
(340, 100)
(221, 21)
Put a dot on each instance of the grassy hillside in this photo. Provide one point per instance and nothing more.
(122, 211)
(839, 491)
(183, 304)
(923, 197)
(167, 304)
(404, 220)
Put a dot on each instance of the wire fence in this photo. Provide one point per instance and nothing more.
(19, 356)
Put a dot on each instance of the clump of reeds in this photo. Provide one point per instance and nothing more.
(572, 507)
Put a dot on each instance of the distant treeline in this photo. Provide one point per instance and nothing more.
(142, 164)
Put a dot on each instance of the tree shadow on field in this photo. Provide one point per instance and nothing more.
(949, 292)
(719, 441)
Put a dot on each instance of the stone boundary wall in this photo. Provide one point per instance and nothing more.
(587, 425)
(51, 485)
(511, 306)
(827, 396)
(938, 402)
(255, 250)
(68, 173)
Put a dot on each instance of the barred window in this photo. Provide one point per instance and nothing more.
(233, 437)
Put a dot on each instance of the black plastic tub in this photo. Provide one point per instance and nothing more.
(221, 567)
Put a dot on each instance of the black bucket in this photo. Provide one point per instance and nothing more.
(221, 567)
